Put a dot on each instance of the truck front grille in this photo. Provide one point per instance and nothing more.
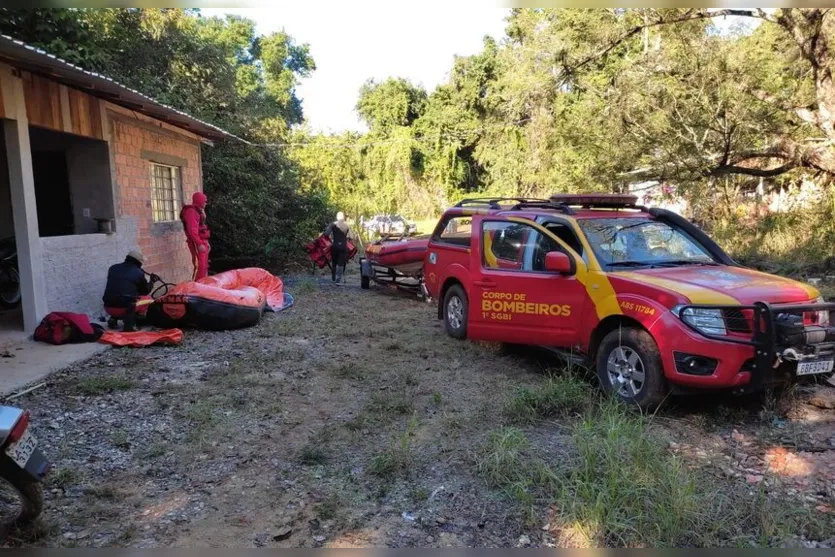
(735, 321)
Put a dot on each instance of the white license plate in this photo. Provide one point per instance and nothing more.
(811, 368)
(22, 449)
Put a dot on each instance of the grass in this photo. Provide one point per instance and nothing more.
(625, 489)
(93, 386)
(311, 455)
(104, 491)
(621, 487)
(119, 439)
(306, 286)
(328, 509)
(350, 370)
(558, 396)
(387, 404)
(154, 450)
(397, 458)
(63, 478)
(203, 418)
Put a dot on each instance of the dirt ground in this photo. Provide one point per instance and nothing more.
(353, 420)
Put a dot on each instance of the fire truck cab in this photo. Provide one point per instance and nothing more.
(642, 294)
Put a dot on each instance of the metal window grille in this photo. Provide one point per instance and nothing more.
(166, 196)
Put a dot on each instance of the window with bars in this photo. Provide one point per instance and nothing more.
(166, 193)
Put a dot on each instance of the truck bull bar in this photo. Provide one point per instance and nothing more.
(760, 320)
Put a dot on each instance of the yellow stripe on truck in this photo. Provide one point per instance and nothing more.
(696, 294)
(813, 292)
(597, 285)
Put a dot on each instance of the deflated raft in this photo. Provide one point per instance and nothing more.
(229, 300)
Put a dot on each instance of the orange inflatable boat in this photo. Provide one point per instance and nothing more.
(229, 300)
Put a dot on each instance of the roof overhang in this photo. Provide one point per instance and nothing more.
(29, 58)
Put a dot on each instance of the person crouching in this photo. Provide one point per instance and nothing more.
(126, 285)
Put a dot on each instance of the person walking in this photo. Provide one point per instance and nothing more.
(197, 234)
(339, 232)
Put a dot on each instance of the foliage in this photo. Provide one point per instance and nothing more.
(218, 70)
(598, 99)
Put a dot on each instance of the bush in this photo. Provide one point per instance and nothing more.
(257, 212)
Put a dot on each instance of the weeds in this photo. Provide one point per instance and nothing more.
(350, 370)
(104, 491)
(557, 396)
(625, 488)
(306, 286)
(328, 509)
(119, 439)
(62, 478)
(506, 464)
(388, 404)
(311, 455)
(154, 450)
(397, 458)
(93, 386)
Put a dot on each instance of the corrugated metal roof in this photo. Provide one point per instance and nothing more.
(35, 60)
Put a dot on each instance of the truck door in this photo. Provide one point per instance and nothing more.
(512, 297)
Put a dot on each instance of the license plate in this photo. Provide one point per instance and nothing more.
(22, 449)
(812, 368)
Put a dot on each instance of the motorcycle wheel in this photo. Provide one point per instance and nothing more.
(21, 496)
(9, 288)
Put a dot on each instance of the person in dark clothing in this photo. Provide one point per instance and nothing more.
(126, 284)
(339, 233)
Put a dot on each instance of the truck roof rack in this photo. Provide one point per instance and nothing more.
(596, 200)
(561, 207)
(494, 202)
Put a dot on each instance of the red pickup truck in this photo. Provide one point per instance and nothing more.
(643, 294)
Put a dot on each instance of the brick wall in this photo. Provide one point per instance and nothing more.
(134, 146)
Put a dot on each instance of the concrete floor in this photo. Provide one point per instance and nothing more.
(24, 362)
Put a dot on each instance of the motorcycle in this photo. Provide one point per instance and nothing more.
(22, 468)
(9, 275)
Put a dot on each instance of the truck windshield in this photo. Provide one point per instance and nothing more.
(629, 242)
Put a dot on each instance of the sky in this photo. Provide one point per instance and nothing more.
(361, 39)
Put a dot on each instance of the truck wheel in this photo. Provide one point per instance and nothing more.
(365, 282)
(629, 366)
(455, 312)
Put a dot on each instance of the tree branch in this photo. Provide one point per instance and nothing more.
(690, 15)
(745, 171)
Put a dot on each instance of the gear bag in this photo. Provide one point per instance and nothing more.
(61, 327)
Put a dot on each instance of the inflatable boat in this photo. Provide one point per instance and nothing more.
(397, 263)
(406, 256)
(229, 300)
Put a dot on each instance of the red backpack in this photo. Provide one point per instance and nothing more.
(61, 327)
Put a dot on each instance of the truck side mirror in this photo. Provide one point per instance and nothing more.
(558, 262)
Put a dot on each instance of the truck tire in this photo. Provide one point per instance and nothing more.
(629, 367)
(455, 312)
(28, 491)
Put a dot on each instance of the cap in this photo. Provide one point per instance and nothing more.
(136, 254)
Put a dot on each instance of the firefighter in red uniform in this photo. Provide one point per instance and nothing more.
(197, 233)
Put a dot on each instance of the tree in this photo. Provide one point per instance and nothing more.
(216, 69)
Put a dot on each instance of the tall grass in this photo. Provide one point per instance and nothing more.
(619, 486)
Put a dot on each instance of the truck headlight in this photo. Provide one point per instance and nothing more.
(708, 321)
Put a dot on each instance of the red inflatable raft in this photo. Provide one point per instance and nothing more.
(228, 300)
(406, 256)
